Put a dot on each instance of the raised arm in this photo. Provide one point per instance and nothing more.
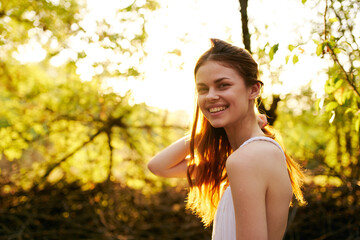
(171, 162)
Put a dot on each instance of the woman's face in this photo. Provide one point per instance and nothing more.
(223, 96)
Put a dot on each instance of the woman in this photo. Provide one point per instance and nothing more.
(239, 176)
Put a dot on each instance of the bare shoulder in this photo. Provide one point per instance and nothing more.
(258, 156)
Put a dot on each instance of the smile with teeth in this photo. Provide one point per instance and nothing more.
(217, 109)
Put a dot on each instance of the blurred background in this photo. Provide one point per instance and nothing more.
(91, 90)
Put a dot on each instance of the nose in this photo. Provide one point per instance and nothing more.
(212, 95)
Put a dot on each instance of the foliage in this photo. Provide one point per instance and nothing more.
(55, 125)
(331, 188)
(331, 142)
(328, 217)
(72, 125)
(21, 19)
(323, 133)
(73, 152)
(340, 41)
(69, 31)
(115, 211)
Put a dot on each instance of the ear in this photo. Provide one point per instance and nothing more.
(254, 91)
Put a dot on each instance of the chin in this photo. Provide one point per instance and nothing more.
(216, 124)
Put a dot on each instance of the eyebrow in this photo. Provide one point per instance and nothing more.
(216, 81)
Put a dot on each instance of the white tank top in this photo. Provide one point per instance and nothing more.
(224, 227)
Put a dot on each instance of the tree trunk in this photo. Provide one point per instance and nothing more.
(270, 113)
(244, 21)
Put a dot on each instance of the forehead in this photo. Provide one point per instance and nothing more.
(212, 71)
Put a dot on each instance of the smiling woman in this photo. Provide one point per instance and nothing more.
(239, 175)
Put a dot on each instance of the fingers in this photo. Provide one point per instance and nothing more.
(262, 120)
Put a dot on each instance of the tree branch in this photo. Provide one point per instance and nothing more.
(326, 7)
(109, 138)
(348, 77)
(53, 166)
(333, 54)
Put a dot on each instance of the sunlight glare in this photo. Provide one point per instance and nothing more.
(30, 52)
(175, 42)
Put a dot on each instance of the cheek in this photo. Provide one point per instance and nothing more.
(200, 103)
(200, 100)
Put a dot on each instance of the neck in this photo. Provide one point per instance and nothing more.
(243, 130)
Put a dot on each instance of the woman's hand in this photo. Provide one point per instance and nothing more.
(262, 120)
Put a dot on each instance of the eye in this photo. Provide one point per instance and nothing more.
(223, 85)
(202, 90)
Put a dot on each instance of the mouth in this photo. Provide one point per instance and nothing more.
(217, 109)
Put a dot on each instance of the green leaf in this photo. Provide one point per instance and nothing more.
(319, 49)
(350, 110)
(357, 124)
(332, 42)
(303, 1)
(332, 20)
(4, 123)
(295, 59)
(133, 72)
(287, 59)
(331, 106)
(317, 104)
(337, 50)
(273, 50)
(329, 89)
(12, 153)
(347, 96)
(316, 42)
(338, 83)
(291, 47)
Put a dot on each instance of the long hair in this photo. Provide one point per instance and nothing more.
(210, 147)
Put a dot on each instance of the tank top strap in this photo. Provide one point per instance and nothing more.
(267, 139)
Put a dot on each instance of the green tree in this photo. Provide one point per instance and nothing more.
(55, 125)
(325, 133)
(340, 42)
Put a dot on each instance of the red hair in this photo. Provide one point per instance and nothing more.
(210, 147)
